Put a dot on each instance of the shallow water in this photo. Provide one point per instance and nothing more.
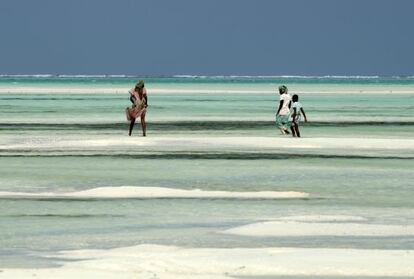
(355, 159)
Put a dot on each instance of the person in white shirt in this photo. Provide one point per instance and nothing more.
(283, 112)
(297, 112)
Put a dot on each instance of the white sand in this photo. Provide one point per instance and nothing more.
(158, 192)
(322, 218)
(295, 228)
(154, 261)
(189, 143)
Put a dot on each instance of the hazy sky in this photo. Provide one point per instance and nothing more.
(211, 37)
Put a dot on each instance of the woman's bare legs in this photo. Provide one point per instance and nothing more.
(131, 126)
(143, 125)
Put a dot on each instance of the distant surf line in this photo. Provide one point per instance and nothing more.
(205, 76)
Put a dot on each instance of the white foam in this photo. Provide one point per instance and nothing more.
(281, 76)
(30, 76)
(294, 228)
(155, 261)
(206, 88)
(158, 192)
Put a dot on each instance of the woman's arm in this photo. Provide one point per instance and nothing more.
(280, 107)
(145, 97)
(132, 99)
(146, 100)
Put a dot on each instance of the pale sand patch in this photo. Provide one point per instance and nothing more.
(202, 143)
(154, 261)
(158, 192)
(294, 228)
(322, 218)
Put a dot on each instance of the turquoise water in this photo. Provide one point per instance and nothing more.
(376, 184)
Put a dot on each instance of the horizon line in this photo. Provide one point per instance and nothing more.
(203, 76)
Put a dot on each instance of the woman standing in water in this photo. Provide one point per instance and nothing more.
(139, 99)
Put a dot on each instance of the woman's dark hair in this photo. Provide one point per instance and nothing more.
(295, 98)
(283, 89)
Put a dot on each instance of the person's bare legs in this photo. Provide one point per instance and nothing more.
(293, 130)
(143, 125)
(297, 130)
(131, 126)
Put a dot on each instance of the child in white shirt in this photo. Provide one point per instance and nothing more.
(297, 111)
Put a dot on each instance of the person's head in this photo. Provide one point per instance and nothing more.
(295, 98)
(283, 89)
(140, 84)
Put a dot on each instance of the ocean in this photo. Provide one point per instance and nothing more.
(214, 190)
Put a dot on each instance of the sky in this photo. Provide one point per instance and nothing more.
(210, 37)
